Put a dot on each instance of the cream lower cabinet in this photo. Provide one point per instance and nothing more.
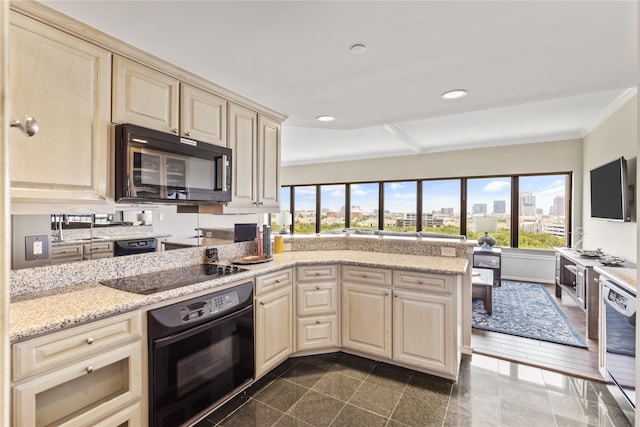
(274, 320)
(426, 319)
(366, 310)
(88, 375)
(317, 298)
(63, 82)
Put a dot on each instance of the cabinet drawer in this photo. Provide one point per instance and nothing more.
(91, 248)
(317, 332)
(62, 347)
(312, 273)
(319, 298)
(272, 281)
(83, 392)
(66, 253)
(429, 282)
(368, 275)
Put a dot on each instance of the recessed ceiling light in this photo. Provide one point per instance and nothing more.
(454, 94)
(358, 48)
(325, 118)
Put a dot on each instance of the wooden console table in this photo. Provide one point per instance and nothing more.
(575, 276)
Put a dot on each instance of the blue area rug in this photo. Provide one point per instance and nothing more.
(526, 310)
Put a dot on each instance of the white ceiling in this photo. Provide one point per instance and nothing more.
(535, 70)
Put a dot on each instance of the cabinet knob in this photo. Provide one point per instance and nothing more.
(317, 288)
(89, 369)
(364, 276)
(317, 273)
(386, 292)
(396, 295)
(102, 196)
(89, 340)
(174, 130)
(261, 302)
(317, 322)
(277, 281)
(187, 133)
(420, 282)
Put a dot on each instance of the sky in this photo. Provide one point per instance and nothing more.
(437, 194)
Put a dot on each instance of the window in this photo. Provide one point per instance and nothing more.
(304, 220)
(400, 203)
(441, 206)
(332, 207)
(364, 205)
(490, 197)
(285, 208)
(542, 211)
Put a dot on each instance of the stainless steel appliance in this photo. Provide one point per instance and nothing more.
(200, 353)
(620, 320)
(152, 166)
(132, 247)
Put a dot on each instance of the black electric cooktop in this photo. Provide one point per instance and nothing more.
(159, 281)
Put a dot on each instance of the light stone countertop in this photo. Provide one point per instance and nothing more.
(35, 314)
(624, 276)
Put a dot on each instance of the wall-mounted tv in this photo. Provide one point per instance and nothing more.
(610, 191)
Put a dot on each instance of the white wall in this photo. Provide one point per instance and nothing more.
(617, 136)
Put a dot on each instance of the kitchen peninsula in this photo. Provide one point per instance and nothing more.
(407, 277)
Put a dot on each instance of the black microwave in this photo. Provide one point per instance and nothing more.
(158, 167)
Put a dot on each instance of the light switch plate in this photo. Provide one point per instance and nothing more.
(36, 247)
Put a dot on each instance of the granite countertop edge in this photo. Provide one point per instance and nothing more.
(87, 302)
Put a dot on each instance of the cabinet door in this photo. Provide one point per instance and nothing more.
(274, 329)
(81, 393)
(366, 319)
(424, 330)
(63, 82)
(242, 140)
(317, 332)
(203, 115)
(144, 96)
(268, 163)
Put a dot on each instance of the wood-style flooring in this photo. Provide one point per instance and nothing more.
(582, 363)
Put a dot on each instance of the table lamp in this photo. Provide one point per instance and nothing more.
(284, 219)
(485, 224)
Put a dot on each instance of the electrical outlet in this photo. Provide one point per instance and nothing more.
(447, 251)
(36, 247)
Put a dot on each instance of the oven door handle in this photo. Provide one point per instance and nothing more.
(172, 339)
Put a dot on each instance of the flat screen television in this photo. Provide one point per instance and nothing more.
(610, 192)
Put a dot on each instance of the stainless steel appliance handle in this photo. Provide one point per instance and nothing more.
(172, 339)
(224, 172)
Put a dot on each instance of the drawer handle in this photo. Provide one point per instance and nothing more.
(89, 340)
(89, 369)
(364, 276)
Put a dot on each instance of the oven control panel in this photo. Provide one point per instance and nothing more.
(208, 306)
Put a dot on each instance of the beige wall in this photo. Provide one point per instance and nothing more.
(555, 156)
(617, 136)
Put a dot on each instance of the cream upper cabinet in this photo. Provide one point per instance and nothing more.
(203, 115)
(150, 98)
(63, 82)
(255, 141)
(144, 96)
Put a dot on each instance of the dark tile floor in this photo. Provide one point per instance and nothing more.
(340, 389)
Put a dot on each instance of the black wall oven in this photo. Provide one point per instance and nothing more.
(200, 354)
(152, 166)
(620, 340)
